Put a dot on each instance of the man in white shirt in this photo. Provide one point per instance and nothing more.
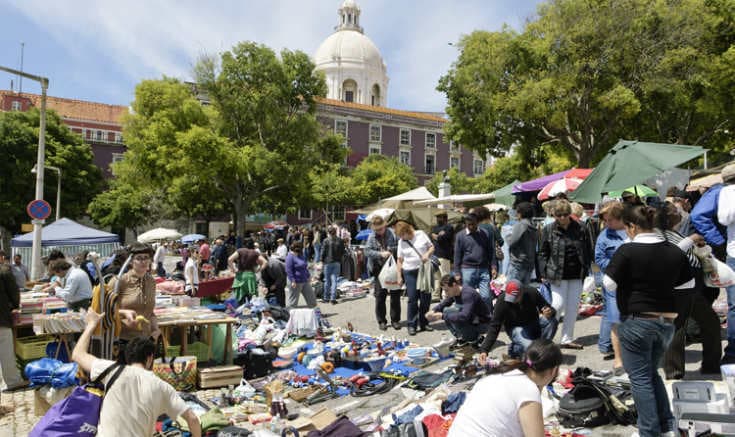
(138, 397)
(158, 260)
(73, 284)
(20, 271)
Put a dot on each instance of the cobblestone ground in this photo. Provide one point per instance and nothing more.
(360, 313)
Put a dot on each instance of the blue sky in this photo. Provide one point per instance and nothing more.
(99, 50)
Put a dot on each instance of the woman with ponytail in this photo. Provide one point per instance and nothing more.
(508, 402)
(644, 275)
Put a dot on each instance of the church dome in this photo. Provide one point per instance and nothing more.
(348, 46)
(352, 64)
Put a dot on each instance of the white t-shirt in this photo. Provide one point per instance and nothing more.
(411, 259)
(135, 401)
(491, 408)
(160, 255)
(191, 274)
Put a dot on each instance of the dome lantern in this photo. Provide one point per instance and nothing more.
(349, 16)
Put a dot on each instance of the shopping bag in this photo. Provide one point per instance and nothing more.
(725, 276)
(180, 372)
(388, 276)
(425, 281)
(78, 414)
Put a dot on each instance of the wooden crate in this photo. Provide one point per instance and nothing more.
(220, 376)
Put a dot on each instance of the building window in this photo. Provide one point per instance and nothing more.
(340, 128)
(374, 149)
(304, 214)
(429, 167)
(430, 140)
(349, 88)
(454, 147)
(405, 157)
(99, 136)
(454, 162)
(405, 137)
(375, 132)
(15, 106)
(478, 166)
(117, 157)
(118, 138)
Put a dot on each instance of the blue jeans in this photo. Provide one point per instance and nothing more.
(331, 273)
(480, 279)
(160, 271)
(610, 317)
(643, 343)
(519, 272)
(467, 331)
(522, 336)
(418, 301)
(730, 348)
(317, 251)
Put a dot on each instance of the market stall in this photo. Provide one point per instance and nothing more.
(68, 236)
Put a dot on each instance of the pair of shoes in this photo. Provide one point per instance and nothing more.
(334, 302)
(427, 328)
(383, 326)
(571, 345)
(618, 371)
(396, 325)
(411, 330)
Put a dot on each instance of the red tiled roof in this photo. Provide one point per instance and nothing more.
(77, 109)
(381, 109)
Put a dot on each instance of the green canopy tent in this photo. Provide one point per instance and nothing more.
(504, 196)
(630, 163)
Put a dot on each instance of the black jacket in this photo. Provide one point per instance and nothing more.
(9, 296)
(510, 315)
(333, 250)
(554, 242)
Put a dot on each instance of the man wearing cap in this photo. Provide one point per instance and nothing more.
(525, 315)
(442, 235)
(464, 312)
(714, 218)
(381, 245)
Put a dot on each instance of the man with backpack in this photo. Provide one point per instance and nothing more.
(132, 405)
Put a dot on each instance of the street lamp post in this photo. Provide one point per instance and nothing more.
(36, 267)
(58, 188)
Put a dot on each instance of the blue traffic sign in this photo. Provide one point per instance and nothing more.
(38, 209)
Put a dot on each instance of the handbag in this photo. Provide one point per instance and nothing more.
(433, 258)
(388, 276)
(79, 413)
(180, 372)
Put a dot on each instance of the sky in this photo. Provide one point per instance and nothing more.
(99, 50)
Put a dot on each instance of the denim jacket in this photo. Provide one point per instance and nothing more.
(554, 241)
(607, 243)
(375, 245)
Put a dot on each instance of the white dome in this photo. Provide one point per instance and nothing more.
(348, 46)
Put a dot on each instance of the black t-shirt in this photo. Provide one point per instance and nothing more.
(572, 266)
(646, 274)
(444, 243)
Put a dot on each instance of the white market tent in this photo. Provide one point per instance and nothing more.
(456, 199)
(68, 236)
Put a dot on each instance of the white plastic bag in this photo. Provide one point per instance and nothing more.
(388, 276)
(589, 285)
(725, 275)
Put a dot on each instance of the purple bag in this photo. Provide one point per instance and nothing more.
(79, 413)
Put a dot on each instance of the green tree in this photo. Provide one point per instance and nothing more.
(266, 110)
(81, 179)
(460, 182)
(329, 187)
(378, 177)
(584, 74)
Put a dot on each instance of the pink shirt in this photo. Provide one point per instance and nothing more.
(205, 251)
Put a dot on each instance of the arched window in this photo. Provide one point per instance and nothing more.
(349, 90)
(375, 97)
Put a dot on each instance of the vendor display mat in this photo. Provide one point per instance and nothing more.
(213, 287)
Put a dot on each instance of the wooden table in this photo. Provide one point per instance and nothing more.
(185, 324)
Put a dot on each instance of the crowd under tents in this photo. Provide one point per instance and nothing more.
(68, 236)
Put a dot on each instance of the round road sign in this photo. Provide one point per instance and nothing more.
(38, 209)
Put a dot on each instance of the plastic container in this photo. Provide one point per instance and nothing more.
(29, 348)
(200, 350)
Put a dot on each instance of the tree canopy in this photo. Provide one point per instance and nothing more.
(583, 74)
(81, 180)
(378, 177)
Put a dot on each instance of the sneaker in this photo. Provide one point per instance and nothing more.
(427, 328)
(383, 326)
(458, 344)
(396, 325)
(411, 330)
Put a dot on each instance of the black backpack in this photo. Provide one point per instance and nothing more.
(590, 404)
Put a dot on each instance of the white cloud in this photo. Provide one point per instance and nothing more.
(144, 39)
